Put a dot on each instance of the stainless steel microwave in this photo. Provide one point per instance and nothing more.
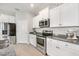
(44, 23)
(41, 23)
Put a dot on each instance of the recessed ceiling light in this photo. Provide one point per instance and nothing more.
(32, 5)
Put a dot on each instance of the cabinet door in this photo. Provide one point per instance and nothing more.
(44, 13)
(56, 48)
(35, 22)
(69, 14)
(55, 17)
(33, 39)
(52, 47)
(49, 47)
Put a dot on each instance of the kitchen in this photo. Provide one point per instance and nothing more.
(43, 29)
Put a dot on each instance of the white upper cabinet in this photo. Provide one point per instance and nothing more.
(44, 13)
(65, 15)
(54, 17)
(69, 14)
(36, 21)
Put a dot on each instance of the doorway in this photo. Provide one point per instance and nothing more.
(12, 33)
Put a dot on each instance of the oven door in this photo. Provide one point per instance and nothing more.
(41, 44)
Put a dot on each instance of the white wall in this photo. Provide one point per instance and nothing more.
(23, 26)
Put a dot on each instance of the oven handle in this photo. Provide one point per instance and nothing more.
(41, 37)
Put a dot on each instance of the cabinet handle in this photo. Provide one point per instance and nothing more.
(57, 47)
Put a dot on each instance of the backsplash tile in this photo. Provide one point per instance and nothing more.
(60, 30)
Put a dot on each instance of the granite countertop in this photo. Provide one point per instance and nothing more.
(60, 38)
(32, 33)
(63, 39)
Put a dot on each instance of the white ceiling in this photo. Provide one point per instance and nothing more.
(25, 7)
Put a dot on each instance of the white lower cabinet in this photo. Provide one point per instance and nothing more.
(60, 48)
(51, 47)
(32, 39)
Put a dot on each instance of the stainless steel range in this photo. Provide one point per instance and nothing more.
(41, 44)
(41, 41)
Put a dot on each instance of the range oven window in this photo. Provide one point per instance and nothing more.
(40, 41)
